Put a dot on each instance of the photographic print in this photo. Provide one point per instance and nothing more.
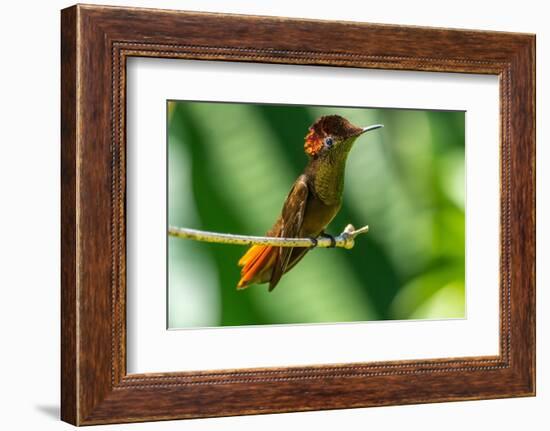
(236, 220)
(307, 172)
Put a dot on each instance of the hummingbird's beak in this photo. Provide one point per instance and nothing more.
(368, 129)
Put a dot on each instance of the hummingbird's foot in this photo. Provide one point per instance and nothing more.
(314, 242)
(332, 239)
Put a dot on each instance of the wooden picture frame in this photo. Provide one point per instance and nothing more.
(96, 41)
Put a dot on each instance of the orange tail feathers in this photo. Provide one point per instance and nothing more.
(257, 259)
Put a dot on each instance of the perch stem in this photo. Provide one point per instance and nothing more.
(345, 240)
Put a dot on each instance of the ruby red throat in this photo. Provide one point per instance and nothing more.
(313, 201)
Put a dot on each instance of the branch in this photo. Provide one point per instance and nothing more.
(345, 240)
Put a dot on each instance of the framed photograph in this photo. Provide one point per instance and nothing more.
(264, 215)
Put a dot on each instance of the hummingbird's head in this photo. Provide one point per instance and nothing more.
(333, 135)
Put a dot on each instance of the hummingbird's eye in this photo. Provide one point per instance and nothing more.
(329, 142)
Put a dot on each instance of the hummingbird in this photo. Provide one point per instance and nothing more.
(312, 203)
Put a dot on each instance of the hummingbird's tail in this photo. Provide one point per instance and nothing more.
(257, 264)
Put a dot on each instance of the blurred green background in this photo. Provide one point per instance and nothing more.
(230, 167)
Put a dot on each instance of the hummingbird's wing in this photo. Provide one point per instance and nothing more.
(291, 221)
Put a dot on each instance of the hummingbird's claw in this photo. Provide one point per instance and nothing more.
(332, 239)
